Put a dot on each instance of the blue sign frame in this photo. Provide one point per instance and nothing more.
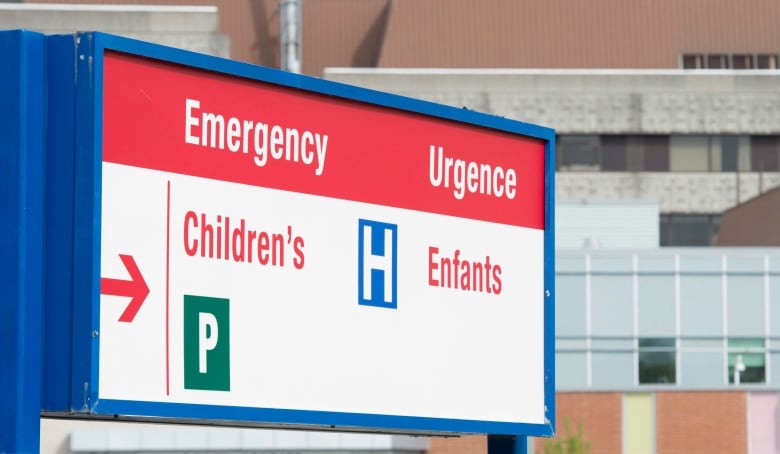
(72, 346)
(21, 231)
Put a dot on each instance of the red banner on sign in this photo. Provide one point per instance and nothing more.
(178, 119)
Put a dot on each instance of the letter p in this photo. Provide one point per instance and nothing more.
(208, 334)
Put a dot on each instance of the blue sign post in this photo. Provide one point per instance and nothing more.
(500, 444)
(21, 238)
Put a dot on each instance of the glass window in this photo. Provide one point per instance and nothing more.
(701, 153)
(764, 153)
(689, 153)
(657, 362)
(717, 61)
(725, 61)
(613, 153)
(688, 229)
(647, 153)
(692, 61)
(729, 153)
(715, 153)
(766, 61)
(635, 154)
(742, 61)
(663, 153)
(578, 152)
(656, 153)
(743, 155)
(747, 361)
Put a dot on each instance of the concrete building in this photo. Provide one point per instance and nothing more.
(697, 142)
(187, 27)
(667, 101)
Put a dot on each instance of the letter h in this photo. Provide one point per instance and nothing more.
(377, 264)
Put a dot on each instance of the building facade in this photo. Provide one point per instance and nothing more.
(697, 142)
(667, 101)
(670, 350)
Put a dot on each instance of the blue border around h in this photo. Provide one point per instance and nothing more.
(377, 248)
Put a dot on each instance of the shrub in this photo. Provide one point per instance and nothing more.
(568, 443)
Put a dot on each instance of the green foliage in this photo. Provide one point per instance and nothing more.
(567, 443)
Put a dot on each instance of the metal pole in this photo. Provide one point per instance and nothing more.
(21, 238)
(290, 20)
(501, 444)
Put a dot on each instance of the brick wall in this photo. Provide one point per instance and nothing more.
(600, 415)
(690, 422)
(701, 422)
(476, 444)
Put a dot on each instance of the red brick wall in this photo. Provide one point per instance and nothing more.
(600, 415)
(475, 444)
(701, 422)
(693, 422)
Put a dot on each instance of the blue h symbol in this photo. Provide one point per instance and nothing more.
(377, 264)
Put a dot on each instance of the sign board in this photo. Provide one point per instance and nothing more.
(272, 249)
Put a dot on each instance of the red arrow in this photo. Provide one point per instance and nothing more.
(135, 288)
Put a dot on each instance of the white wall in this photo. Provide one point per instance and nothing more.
(64, 436)
(594, 224)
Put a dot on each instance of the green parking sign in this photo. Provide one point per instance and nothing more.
(206, 343)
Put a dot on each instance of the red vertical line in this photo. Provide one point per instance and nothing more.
(167, 291)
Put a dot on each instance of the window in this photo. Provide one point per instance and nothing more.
(709, 153)
(657, 364)
(578, 152)
(764, 153)
(614, 153)
(717, 61)
(656, 153)
(729, 61)
(747, 361)
(692, 61)
(742, 61)
(729, 154)
(766, 61)
(688, 229)
(689, 153)
(645, 153)
(664, 153)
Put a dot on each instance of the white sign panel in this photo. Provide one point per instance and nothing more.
(271, 255)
